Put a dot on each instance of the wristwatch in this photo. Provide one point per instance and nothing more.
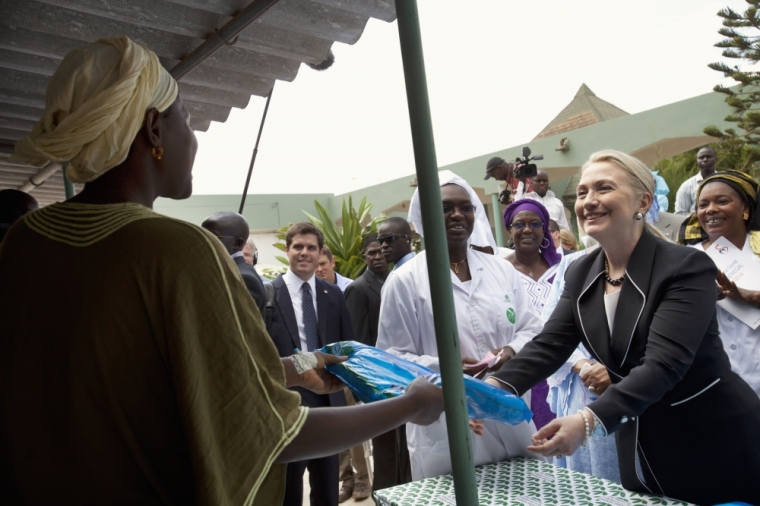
(599, 430)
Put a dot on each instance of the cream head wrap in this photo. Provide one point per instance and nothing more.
(481, 232)
(94, 106)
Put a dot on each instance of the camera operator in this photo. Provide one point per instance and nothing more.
(543, 194)
(502, 170)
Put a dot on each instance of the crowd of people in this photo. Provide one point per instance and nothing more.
(145, 361)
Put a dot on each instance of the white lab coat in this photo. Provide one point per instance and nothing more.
(492, 310)
(742, 344)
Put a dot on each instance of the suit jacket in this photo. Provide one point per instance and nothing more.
(334, 325)
(673, 398)
(252, 282)
(363, 300)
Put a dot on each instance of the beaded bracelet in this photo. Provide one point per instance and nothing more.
(588, 429)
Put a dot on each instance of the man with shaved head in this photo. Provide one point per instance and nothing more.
(395, 238)
(543, 194)
(13, 205)
(232, 230)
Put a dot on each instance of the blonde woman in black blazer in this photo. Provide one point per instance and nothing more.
(674, 404)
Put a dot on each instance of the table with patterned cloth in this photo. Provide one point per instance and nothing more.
(521, 482)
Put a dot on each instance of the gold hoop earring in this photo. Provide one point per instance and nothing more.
(157, 152)
(745, 216)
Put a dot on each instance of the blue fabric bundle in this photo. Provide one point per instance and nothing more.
(374, 375)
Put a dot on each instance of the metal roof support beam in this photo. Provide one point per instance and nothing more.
(39, 178)
(497, 219)
(439, 271)
(224, 36)
(255, 151)
(68, 186)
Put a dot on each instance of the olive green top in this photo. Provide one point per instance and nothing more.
(134, 366)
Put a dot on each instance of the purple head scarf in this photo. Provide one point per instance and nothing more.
(548, 252)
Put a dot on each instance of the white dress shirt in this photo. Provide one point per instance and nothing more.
(294, 284)
(342, 282)
(492, 310)
(686, 198)
(552, 204)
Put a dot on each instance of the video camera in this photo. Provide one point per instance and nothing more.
(526, 169)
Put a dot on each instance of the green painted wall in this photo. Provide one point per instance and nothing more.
(684, 119)
(262, 211)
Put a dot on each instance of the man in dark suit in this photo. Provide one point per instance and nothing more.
(310, 314)
(363, 295)
(363, 300)
(232, 230)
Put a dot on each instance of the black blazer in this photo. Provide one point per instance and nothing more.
(363, 300)
(252, 282)
(334, 325)
(673, 396)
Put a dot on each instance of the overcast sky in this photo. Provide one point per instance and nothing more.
(498, 71)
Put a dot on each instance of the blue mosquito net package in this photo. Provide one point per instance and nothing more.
(374, 375)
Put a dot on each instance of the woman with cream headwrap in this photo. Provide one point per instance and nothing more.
(145, 374)
(493, 313)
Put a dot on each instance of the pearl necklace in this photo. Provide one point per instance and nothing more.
(613, 282)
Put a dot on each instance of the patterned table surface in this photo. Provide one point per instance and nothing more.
(521, 482)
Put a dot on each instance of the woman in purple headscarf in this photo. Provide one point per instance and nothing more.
(536, 259)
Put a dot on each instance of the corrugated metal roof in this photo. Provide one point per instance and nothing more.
(35, 35)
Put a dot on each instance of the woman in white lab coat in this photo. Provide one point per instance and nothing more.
(493, 312)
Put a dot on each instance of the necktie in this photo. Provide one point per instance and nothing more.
(309, 318)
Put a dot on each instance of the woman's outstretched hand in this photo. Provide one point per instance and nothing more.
(566, 433)
(428, 398)
(318, 380)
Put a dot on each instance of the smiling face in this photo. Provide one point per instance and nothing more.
(303, 255)
(606, 203)
(719, 210)
(458, 222)
(528, 240)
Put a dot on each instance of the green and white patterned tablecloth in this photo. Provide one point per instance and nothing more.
(521, 482)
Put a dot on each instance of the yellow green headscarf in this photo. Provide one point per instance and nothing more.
(691, 231)
(94, 106)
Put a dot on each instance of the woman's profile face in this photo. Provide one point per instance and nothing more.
(180, 146)
(458, 214)
(529, 239)
(606, 204)
(719, 211)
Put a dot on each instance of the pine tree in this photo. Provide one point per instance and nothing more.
(742, 42)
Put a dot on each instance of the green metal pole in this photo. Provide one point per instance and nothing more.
(437, 252)
(498, 226)
(68, 186)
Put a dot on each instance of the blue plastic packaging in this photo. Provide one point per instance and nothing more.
(374, 375)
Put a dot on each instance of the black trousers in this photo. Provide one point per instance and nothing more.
(323, 480)
(323, 473)
(391, 459)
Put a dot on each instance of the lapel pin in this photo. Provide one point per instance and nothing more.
(325, 291)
